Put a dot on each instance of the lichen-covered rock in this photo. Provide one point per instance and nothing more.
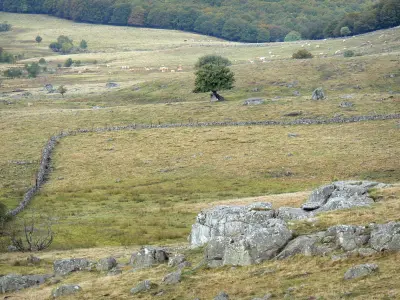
(318, 94)
(254, 247)
(386, 237)
(114, 271)
(15, 282)
(106, 264)
(64, 290)
(360, 271)
(142, 287)
(172, 278)
(66, 266)
(341, 195)
(291, 213)
(348, 237)
(307, 245)
(229, 221)
(149, 256)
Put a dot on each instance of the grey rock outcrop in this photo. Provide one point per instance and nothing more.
(65, 290)
(142, 287)
(291, 213)
(307, 245)
(66, 266)
(253, 247)
(226, 221)
(360, 271)
(348, 237)
(341, 195)
(318, 94)
(172, 278)
(15, 282)
(386, 237)
(149, 256)
(106, 264)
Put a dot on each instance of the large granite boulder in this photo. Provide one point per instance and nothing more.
(65, 290)
(386, 237)
(308, 245)
(260, 244)
(149, 256)
(341, 195)
(66, 266)
(15, 282)
(360, 271)
(227, 221)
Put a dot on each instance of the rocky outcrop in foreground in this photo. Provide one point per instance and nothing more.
(244, 235)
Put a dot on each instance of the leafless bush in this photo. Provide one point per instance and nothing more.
(34, 234)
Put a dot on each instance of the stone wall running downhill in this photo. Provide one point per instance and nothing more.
(44, 167)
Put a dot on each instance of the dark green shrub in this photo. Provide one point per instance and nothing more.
(42, 61)
(68, 62)
(348, 53)
(13, 73)
(33, 69)
(302, 54)
(5, 27)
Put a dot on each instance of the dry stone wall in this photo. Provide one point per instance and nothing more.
(44, 167)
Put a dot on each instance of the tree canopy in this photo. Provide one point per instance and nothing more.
(236, 20)
(213, 76)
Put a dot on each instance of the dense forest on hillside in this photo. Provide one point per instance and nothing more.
(236, 20)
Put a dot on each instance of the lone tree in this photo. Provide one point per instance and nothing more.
(38, 39)
(62, 90)
(213, 75)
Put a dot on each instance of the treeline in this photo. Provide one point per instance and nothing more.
(236, 20)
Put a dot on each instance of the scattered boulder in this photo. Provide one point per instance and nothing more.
(296, 93)
(222, 296)
(110, 85)
(172, 278)
(255, 246)
(184, 264)
(292, 135)
(33, 259)
(143, 286)
(149, 256)
(15, 282)
(346, 104)
(253, 101)
(360, 271)
(66, 266)
(228, 221)
(114, 271)
(12, 248)
(318, 94)
(386, 237)
(49, 88)
(64, 290)
(293, 114)
(175, 260)
(106, 264)
(341, 195)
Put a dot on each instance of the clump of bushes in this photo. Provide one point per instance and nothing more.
(302, 54)
(348, 53)
(13, 72)
(5, 27)
(6, 57)
(42, 61)
(65, 45)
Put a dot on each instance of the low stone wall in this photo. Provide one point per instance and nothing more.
(44, 167)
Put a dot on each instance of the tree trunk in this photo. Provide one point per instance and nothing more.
(217, 96)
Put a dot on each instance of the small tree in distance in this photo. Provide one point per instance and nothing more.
(38, 39)
(62, 90)
(213, 75)
(345, 31)
(83, 44)
(302, 54)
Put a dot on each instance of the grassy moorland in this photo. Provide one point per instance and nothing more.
(111, 192)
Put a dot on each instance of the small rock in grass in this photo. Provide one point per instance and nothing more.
(360, 271)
